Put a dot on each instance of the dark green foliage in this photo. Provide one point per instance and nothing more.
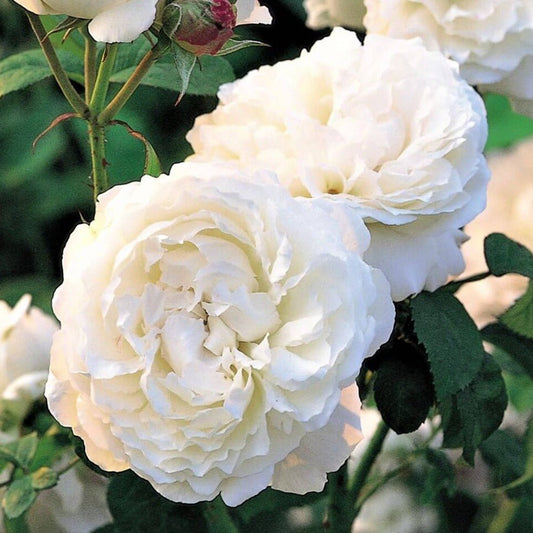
(474, 413)
(516, 346)
(137, 508)
(402, 390)
(452, 341)
(505, 256)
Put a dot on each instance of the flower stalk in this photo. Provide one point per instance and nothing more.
(98, 159)
(357, 483)
(101, 84)
(74, 99)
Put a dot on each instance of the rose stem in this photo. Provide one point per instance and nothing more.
(356, 484)
(74, 99)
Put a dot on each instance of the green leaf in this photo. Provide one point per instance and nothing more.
(206, 77)
(440, 477)
(527, 476)
(16, 525)
(519, 317)
(452, 341)
(474, 413)
(505, 126)
(44, 478)
(137, 508)
(26, 68)
(402, 390)
(518, 347)
(510, 462)
(505, 256)
(18, 498)
(273, 501)
(25, 449)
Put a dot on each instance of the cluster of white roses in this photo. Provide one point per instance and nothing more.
(213, 320)
(491, 40)
(77, 503)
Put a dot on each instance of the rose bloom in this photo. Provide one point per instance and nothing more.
(122, 20)
(509, 209)
(492, 40)
(25, 341)
(209, 323)
(389, 130)
(329, 13)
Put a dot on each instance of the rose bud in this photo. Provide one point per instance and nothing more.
(200, 26)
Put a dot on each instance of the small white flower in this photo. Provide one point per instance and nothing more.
(492, 40)
(25, 341)
(209, 323)
(329, 13)
(389, 130)
(123, 20)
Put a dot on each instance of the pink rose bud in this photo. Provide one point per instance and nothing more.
(200, 26)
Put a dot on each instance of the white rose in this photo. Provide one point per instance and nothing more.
(25, 341)
(388, 129)
(123, 20)
(329, 13)
(208, 327)
(492, 40)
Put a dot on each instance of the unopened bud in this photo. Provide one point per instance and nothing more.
(200, 26)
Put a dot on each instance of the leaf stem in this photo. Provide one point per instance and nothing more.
(130, 86)
(74, 99)
(218, 518)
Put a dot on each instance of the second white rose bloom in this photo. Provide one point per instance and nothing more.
(209, 325)
(25, 341)
(492, 40)
(387, 129)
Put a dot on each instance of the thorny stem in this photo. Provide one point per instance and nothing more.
(74, 99)
(98, 159)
